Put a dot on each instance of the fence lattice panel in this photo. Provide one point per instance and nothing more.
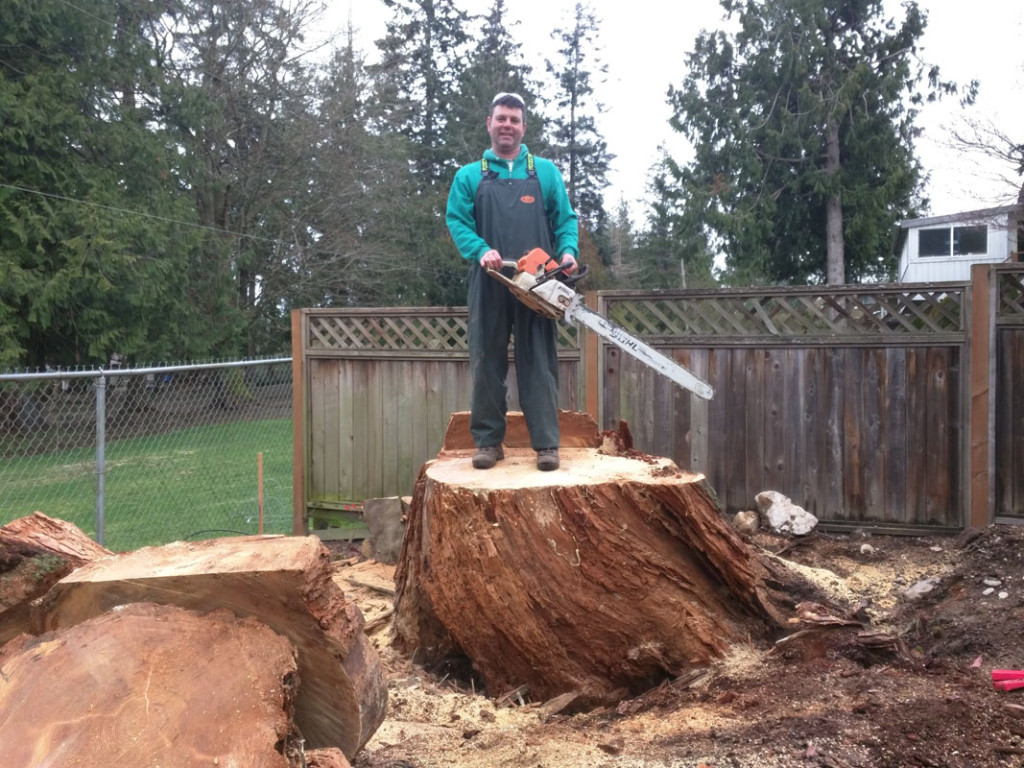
(791, 313)
(417, 330)
(1010, 308)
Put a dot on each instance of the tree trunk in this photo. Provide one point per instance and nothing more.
(284, 582)
(835, 259)
(602, 578)
(35, 553)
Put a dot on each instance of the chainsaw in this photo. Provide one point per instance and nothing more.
(544, 286)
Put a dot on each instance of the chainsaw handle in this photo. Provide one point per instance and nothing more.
(557, 272)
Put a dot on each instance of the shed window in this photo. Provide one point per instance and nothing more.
(953, 241)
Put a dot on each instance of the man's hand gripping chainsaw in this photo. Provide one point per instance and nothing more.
(542, 285)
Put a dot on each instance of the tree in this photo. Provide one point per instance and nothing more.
(494, 66)
(803, 127)
(239, 107)
(672, 250)
(422, 58)
(577, 144)
(91, 251)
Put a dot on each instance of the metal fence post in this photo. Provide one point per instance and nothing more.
(101, 455)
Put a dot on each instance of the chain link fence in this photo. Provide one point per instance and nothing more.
(145, 456)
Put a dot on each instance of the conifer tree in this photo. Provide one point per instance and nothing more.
(578, 146)
(803, 126)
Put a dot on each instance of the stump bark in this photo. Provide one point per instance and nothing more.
(285, 583)
(602, 578)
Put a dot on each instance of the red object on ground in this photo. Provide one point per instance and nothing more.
(1008, 685)
(1007, 674)
(1008, 679)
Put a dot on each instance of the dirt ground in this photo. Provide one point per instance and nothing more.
(910, 687)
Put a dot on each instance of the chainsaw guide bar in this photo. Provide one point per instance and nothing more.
(539, 283)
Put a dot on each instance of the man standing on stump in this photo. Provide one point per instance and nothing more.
(502, 207)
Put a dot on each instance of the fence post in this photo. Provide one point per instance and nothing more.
(101, 456)
(299, 432)
(982, 472)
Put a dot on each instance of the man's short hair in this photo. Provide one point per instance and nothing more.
(510, 100)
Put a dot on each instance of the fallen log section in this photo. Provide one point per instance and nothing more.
(150, 685)
(602, 578)
(284, 583)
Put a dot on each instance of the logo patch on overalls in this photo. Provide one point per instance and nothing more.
(527, 199)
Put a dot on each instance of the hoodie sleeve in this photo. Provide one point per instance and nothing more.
(563, 219)
(459, 214)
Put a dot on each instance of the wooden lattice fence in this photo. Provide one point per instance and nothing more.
(899, 406)
(846, 400)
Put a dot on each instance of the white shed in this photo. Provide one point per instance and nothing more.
(943, 248)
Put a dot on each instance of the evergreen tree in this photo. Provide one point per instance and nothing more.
(422, 59)
(495, 65)
(240, 108)
(803, 126)
(91, 255)
(577, 144)
(671, 252)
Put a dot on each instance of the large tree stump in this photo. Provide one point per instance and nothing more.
(284, 582)
(150, 685)
(35, 553)
(601, 578)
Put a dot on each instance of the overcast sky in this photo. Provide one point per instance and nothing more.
(644, 44)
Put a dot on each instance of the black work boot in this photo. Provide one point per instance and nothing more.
(487, 456)
(547, 459)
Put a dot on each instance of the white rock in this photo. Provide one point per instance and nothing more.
(922, 588)
(783, 516)
(988, 591)
(867, 549)
(992, 582)
(1003, 595)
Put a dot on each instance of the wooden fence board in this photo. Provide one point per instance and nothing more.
(835, 502)
(794, 453)
(720, 408)
(748, 394)
(875, 432)
(853, 447)
(375, 435)
(408, 401)
(772, 411)
(939, 447)
(813, 424)
(896, 455)
(917, 436)
(392, 432)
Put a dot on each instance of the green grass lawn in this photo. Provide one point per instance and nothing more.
(194, 483)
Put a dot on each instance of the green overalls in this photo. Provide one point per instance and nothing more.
(510, 217)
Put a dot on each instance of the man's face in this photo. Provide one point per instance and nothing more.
(506, 128)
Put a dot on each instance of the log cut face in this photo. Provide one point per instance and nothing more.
(601, 578)
(129, 688)
(284, 582)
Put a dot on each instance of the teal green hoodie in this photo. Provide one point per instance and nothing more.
(462, 225)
